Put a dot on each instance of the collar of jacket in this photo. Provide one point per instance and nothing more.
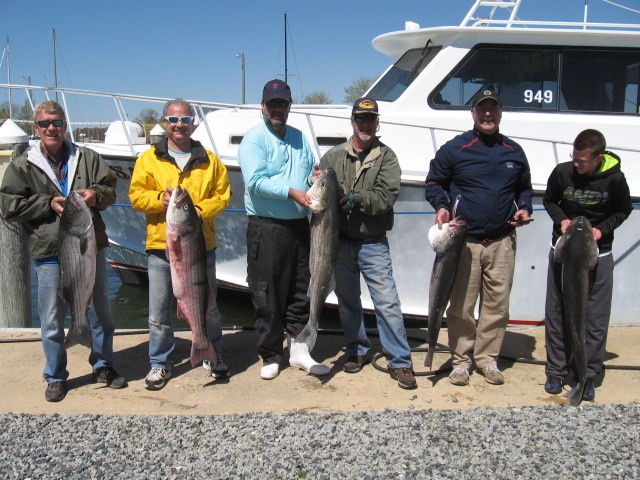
(198, 153)
(374, 152)
(492, 139)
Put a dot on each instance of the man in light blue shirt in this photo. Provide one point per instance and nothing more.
(277, 166)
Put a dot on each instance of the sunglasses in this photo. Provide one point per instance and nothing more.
(365, 117)
(174, 120)
(58, 122)
(282, 104)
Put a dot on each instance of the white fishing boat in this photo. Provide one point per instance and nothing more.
(555, 78)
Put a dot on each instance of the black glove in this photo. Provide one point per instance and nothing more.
(350, 201)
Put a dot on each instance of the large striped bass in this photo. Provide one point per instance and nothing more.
(77, 255)
(188, 262)
(446, 240)
(577, 251)
(324, 249)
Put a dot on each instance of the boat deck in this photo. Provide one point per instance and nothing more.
(191, 392)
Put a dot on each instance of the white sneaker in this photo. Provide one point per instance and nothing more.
(299, 357)
(157, 378)
(269, 371)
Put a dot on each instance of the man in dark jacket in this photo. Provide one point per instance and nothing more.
(484, 177)
(34, 190)
(369, 176)
(591, 185)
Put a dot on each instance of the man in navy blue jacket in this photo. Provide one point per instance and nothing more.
(484, 177)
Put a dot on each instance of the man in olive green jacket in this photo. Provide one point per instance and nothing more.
(369, 176)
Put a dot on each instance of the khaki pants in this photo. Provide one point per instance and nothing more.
(485, 271)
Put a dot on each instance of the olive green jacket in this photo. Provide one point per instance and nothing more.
(375, 180)
(29, 184)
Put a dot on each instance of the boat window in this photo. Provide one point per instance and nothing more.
(561, 79)
(405, 71)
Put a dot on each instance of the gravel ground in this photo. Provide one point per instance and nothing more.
(587, 442)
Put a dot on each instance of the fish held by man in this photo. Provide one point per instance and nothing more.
(77, 255)
(186, 253)
(577, 251)
(446, 240)
(324, 195)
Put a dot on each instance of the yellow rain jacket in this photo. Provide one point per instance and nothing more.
(204, 177)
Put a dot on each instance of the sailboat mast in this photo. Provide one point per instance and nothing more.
(285, 50)
(55, 64)
(9, 76)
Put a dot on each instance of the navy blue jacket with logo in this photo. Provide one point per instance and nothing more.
(603, 198)
(484, 178)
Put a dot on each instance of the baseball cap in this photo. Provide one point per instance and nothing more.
(365, 105)
(484, 94)
(276, 89)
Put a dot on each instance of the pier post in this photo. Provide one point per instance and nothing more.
(15, 277)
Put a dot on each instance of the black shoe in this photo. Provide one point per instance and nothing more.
(553, 385)
(355, 363)
(405, 377)
(589, 392)
(55, 391)
(109, 376)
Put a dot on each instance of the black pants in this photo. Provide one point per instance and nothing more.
(278, 277)
(598, 314)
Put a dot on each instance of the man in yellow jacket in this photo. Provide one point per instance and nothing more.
(178, 160)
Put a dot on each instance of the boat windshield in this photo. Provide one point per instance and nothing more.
(546, 78)
(405, 71)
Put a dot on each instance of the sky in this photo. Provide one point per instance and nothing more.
(188, 48)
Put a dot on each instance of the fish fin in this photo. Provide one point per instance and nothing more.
(308, 335)
(332, 284)
(84, 244)
(200, 353)
(575, 395)
(180, 313)
(78, 336)
(174, 249)
(428, 360)
(558, 252)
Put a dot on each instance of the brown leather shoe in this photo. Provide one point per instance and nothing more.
(405, 377)
(355, 363)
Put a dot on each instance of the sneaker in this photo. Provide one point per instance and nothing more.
(589, 393)
(109, 376)
(459, 376)
(404, 376)
(492, 375)
(216, 370)
(553, 385)
(269, 371)
(355, 363)
(55, 391)
(157, 378)
(299, 357)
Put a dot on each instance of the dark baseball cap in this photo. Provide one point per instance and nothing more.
(276, 89)
(365, 105)
(485, 94)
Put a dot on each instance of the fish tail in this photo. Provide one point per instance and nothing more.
(202, 352)
(428, 360)
(575, 395)
(308, 335)
(77, 335)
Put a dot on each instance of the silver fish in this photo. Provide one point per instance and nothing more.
(77, 254)
(577, 251)
(324, 249)
(446, 240)
(187, 259)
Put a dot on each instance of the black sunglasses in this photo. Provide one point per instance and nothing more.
(58, 122)
(282, 104)
(185, 120)
(365, 117)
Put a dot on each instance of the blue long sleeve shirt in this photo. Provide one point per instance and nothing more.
(270, 166)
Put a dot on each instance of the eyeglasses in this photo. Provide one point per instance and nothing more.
(281, 104)
(174, 120)
(58, 122)
(365, 117)
(581, 161)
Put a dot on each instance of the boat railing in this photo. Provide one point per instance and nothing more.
(494, 7)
